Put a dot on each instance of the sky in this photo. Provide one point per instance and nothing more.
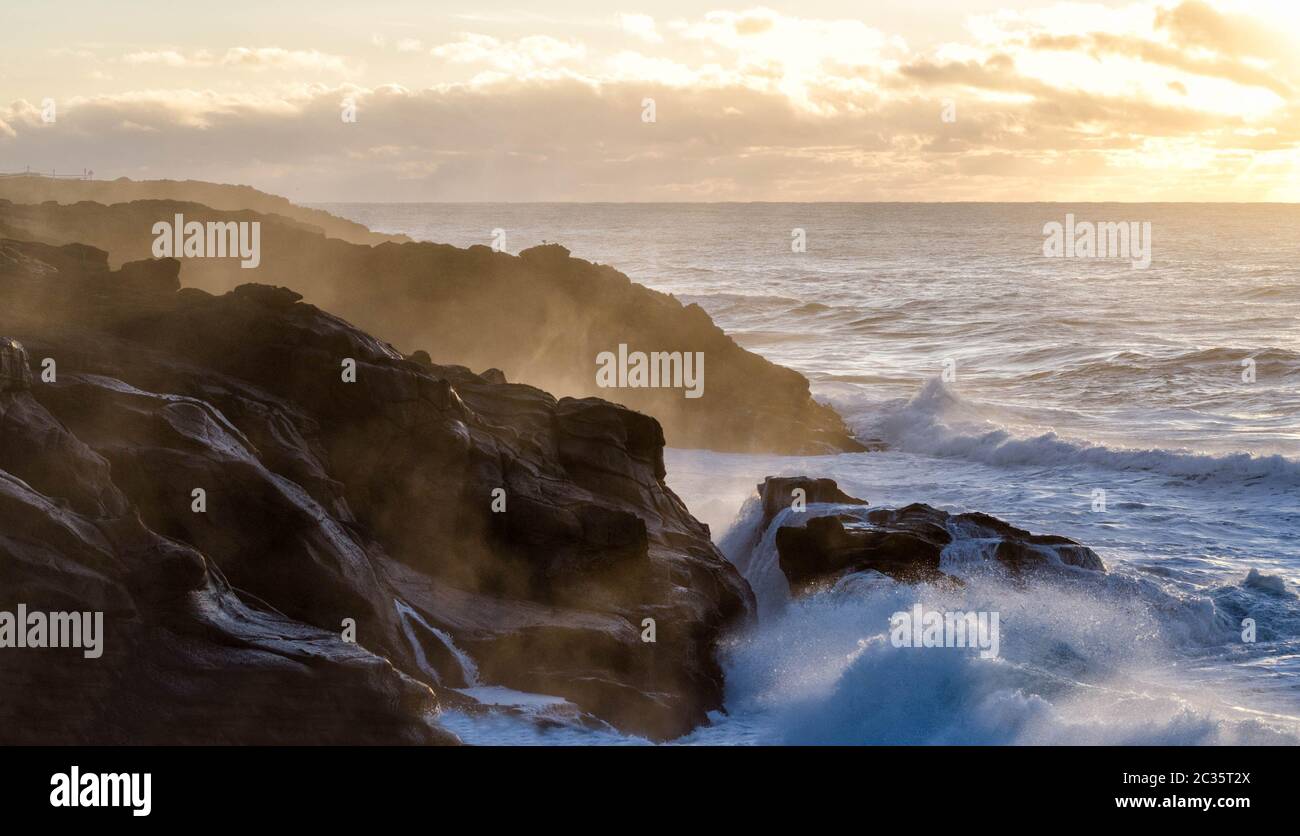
(571, 100)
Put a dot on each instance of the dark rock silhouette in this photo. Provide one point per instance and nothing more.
(324, 500)
(778, 493)
(220, 196)
(904, 543)
(541, 317)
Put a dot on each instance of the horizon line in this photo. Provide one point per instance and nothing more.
(794, 202)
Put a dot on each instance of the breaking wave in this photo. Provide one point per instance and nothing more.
(939, 422)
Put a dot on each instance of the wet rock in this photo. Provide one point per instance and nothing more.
(15, 374)
(907, 543)
(182, 658)
(831, 546)
(414, 488)
(778, 493)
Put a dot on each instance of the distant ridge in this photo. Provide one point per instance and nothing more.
(38, 189)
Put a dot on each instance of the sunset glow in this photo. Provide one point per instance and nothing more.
(1168, 100)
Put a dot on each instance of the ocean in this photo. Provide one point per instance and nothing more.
(1152, 414)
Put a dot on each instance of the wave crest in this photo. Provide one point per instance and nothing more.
(939, 422)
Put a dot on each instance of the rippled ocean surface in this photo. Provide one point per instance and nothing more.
(1175, 390)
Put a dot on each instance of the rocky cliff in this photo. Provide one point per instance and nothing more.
(238, 480)
(542, 317)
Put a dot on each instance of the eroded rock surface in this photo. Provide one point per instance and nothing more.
(325, 497)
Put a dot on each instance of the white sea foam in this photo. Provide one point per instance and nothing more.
(1141, 654)
(1068, 381)
(413, 621)
(1077, 665)
(939, 422)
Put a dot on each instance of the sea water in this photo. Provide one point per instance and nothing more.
(1152, 414)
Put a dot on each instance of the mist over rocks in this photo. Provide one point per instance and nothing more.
(541, 317)
(200, 471)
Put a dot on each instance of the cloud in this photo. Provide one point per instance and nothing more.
(1063, 102)
(1217, 66)
(274, 57)
(761, 36)
(400, 45)
(168, 57)
(641, 27)
(1194, 23)
(754, 23)
(524, 55)
(259, 58)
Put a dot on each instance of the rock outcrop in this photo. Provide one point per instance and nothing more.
(542, 317)
(907, 543)
(780, 492)
(15, 374)
(234, 480)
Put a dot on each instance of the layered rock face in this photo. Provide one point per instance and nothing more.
(235, 479)
(182, 657)
(541, 317)
(904, 543)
